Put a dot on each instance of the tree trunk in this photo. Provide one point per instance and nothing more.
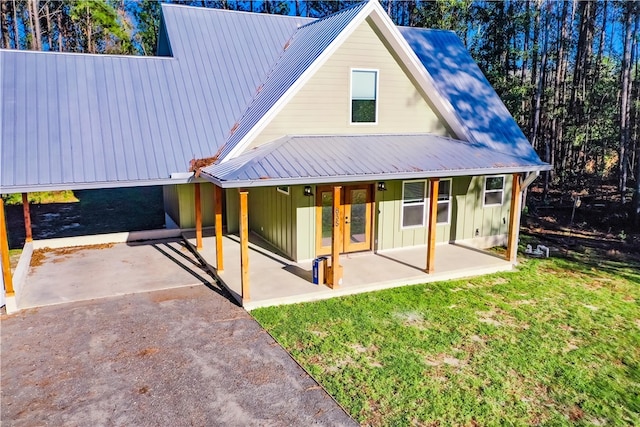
(34, 12)
(4, 28)
(625, 100)
(15, 25)
(60, 31)
(49, 26)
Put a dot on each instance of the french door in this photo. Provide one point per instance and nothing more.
(355, 214)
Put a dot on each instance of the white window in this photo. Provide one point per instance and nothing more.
(444, 202)
(283, 189)
(364, 95)
(493, 190)
(413, 203)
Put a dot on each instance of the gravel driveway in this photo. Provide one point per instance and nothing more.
(185, 356)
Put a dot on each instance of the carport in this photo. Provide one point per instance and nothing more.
(70, 273)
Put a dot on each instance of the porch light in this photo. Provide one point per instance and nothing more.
(382, 186)
(307, 190)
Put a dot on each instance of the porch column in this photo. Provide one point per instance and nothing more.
(4, 249)
(196, 190)
(514, 219)
(335, 271)
(244, 245)
(431, 230)
(218, 194)
(27, 218)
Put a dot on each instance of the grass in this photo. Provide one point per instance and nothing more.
(555, 343)
(65, 196)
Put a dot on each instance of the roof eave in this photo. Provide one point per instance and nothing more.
(182, 179)
(447, 173)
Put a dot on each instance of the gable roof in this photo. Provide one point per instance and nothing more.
(460, 81)
(325, 159)
(93, 121)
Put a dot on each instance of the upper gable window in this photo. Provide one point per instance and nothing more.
(364, 94)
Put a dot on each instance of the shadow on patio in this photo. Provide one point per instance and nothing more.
(275, 279)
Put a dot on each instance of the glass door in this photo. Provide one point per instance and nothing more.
(355, 214)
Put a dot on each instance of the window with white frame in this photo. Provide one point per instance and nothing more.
(493, 190)
(444, 202)
(413, 203)
(284, 189)
(364, 94)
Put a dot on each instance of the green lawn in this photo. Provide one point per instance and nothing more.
(556, 343)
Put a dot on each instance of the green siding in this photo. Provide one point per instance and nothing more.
(179, 203)
(233, 210)
(467, 215)
(305, 224)
(271, 216)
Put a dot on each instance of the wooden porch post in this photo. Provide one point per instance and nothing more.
(431, 230)
(218, 203)
(514, 219)
(196, 190)
(4, 249)
(244, 245)
(335, 271)
(27, 218)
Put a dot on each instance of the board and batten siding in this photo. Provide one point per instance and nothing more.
(285, 221)
(471, 222)
(179, 204)
(323, 105)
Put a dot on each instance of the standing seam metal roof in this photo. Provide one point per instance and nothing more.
(92, 121)
(347, 158)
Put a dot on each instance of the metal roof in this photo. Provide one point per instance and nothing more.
(92, 121)
(459, 80)
(302, 50)
(347, 158)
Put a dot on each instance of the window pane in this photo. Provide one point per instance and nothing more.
(493, 198)
(443, 213)
(363, 111)
(414, 191)
(413, 215)
(444, 190)
(494, 183)
(363, 85)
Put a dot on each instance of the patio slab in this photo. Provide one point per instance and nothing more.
(70, 274)
(276, 280)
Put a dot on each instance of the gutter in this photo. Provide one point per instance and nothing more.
(176, 178)
(533, 172)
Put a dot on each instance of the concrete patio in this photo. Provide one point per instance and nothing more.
(276, 280)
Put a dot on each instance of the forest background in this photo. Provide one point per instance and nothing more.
(568, 71)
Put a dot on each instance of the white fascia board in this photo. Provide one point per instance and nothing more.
(414, 65)
(302, 80)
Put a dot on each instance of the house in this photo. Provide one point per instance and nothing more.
(322, 136)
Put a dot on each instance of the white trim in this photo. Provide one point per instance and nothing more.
(448, 201)
(302, 80)
(419, 72)
(280, 189)
(374, 10)
(485, 191)
(424, 205)
(377, 99)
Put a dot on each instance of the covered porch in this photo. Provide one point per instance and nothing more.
(276, 280)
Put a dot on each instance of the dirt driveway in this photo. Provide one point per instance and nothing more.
(185, 356)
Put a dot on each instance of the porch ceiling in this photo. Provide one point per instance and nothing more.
(327, 159)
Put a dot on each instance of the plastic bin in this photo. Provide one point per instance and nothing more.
(318, 270)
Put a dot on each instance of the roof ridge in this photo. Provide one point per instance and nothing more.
(337, 12)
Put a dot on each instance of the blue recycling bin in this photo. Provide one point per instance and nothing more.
(318, 270)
